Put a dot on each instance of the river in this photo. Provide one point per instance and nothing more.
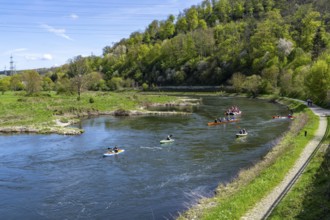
(66, 177)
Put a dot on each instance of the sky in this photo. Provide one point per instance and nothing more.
(47, 33)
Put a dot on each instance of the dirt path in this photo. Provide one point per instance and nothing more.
(262, 208)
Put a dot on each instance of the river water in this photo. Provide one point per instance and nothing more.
(66, 177)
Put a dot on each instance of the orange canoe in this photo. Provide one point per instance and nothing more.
(222, 122)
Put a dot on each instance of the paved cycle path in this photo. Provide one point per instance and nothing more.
(261, 209)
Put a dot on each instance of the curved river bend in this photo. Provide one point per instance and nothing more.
(66, 177)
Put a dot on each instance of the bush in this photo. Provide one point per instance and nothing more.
(145, 86)
(91, 100)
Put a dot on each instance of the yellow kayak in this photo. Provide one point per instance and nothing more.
(110, 153)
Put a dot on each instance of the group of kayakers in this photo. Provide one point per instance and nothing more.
(234, 110)
(224, 119)
(113, 150)
(242, 131)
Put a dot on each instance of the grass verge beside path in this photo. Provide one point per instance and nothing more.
(232, 201)
(310, 196)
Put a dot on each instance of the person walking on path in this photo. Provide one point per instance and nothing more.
(264, 206)
(309, 102)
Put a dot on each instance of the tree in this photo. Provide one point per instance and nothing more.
(4, 84)
(16, 82)
(318, 81)
(223, 10)
(270, 76)
(32, 81)
(305, 22)
(237, 81)
(95, 81)
(152, 30)
(319, 43)
(265, 40)
(181, 25)
(77, 71)
(167, 28)
(192, 19)
(253, 84)
(47, 84)
(229, 41)
(115, 83)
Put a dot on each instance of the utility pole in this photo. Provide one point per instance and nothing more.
(11, 66)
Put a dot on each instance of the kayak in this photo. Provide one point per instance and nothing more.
(222, 122)
(166, 141)
(110, 153)
(283, 117)
(241, 135)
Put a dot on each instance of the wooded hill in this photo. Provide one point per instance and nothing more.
(259, 46)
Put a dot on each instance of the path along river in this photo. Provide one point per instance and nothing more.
(66, 177)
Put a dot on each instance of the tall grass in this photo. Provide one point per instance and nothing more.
(18, 109)
(233, 200)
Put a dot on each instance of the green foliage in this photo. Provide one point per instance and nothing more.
(47, 84)
(32, 81)
(318, 80)
(78, 68)
(115, 83)
(4, 84)
(63, 86)
(16, 82)
(253, 84)
(237, 80)
(145, 86)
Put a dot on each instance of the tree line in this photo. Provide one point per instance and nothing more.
(257, 46)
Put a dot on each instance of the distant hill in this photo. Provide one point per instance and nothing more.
(207, 43)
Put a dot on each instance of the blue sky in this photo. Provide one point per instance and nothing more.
(46, 33)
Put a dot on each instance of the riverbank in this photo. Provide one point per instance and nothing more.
(52, 113)
(233, 200)
(264, 207)
(309, 197)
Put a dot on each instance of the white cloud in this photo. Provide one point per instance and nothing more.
(58, 32)
(47, 56)
(38, 57)
(74, 16)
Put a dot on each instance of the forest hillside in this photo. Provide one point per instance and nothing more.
(264, 46)
(277, 47)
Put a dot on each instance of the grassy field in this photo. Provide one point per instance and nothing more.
(233, 200)
(310, 196)
(17, 109)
